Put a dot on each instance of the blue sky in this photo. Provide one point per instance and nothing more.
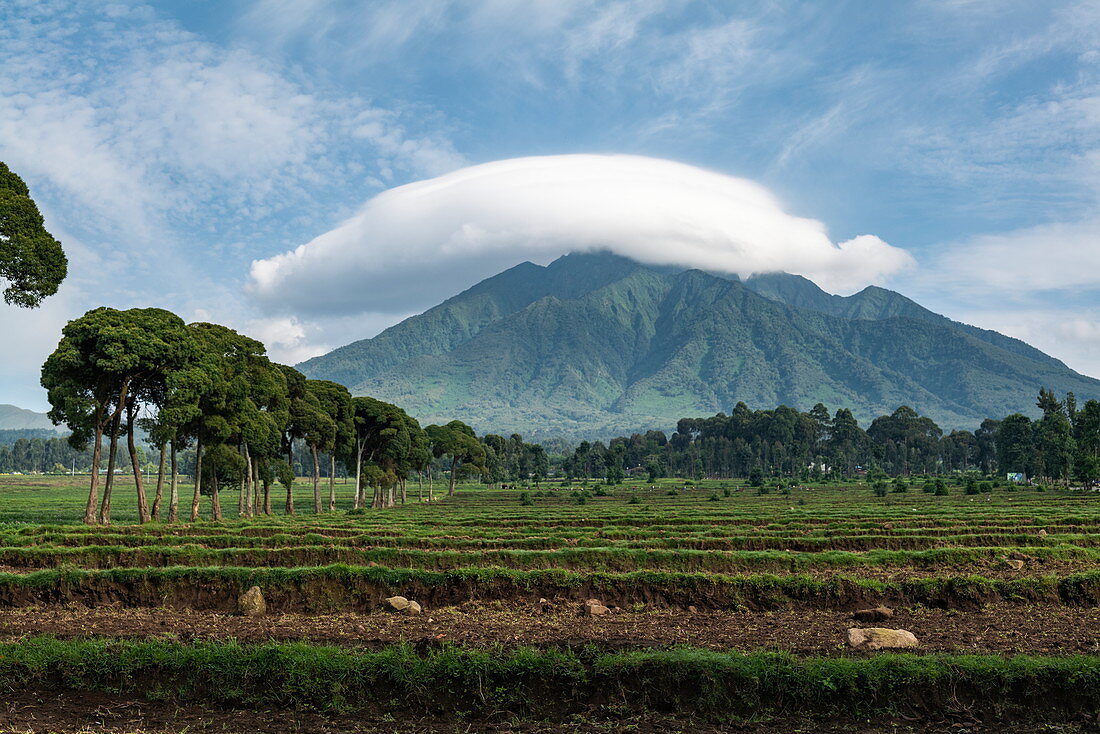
(172, 144)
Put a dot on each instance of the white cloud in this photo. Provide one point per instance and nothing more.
(408, 243)
(1039, 284)
(1057, 256)
(285, 338)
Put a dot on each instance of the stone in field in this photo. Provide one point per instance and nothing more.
(595, 608)
(398, 603)
(1014, 563)
(1042, 533)
(878, 614)
(251, 603)
(412, 609)
(880, 638)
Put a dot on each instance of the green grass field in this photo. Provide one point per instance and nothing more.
(725, 604)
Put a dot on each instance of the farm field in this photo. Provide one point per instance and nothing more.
(727, 604)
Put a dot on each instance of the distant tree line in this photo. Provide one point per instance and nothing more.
(204, 387)
(40, 454)
(1061, 446)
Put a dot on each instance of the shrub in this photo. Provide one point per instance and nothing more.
(525, 499)
(879, 488)
(633, 500)
(900, 485)
(713, 497)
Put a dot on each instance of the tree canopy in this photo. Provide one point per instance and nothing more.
(31, 261)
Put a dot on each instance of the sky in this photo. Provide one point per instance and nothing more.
(312, 171)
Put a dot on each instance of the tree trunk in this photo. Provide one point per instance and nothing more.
(97, 453)
(357, 504)
(215, 499)
(198, 481)
(316, 480)
(288, 509)
(332, 482)
(242, 495)
(431, 487)
(404, 494)
(142, 501)
(454, 476)
(174, 493)
(420, 482)
(158, 498)
(267, 497)
(112, 455)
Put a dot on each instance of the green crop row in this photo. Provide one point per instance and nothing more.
(602, 559)
(719, 686)
(327, 588)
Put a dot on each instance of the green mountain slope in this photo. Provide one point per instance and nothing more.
(15, 418)
(597, 344)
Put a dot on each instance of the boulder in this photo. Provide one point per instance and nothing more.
(412, 609)
(1042, 533)
(251, 603)
(878, 614)
(880, 638)
(1014, 563)
(595, 608)
(398, 603)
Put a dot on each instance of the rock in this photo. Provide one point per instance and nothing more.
(1042, 533)
(251, 603)
(543, 606)
(595, 608)
(1018, 556)
(412, 609)
(880, 638)
(398, 603)
(878, 614)
(1014, 563)
(693, 610)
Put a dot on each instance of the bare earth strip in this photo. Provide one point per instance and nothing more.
(999, 628)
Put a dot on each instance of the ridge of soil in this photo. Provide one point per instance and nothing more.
(997, 628)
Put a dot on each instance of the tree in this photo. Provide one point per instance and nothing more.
(106, 359)
(336, 403)
(304, 419)
(31, 260)
(319, 432)
(1015, 445)
(1054, 437)
(457, 440)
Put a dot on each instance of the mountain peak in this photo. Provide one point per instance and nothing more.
(595, 344)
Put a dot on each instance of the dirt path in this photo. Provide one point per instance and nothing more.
(82, 713)
(1034, 629)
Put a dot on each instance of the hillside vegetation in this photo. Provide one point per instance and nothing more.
(596, 344)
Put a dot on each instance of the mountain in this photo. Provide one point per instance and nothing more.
(596, 344)
(13, 418)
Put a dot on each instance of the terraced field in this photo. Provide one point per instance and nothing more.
(726, 609)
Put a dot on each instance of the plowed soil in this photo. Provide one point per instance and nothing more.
(80, 713)
(999, 628)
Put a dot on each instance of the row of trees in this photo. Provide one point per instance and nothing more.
(1061, 446)
(117, 373)
(29, 455)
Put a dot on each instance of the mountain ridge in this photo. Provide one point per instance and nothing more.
(596, 344)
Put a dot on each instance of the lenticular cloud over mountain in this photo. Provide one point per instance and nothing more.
(411, 245)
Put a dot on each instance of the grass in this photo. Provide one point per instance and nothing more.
(720, 686)
(711, 544)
